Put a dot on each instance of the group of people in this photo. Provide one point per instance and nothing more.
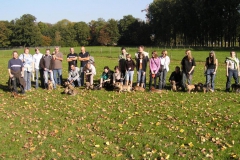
(48, 66)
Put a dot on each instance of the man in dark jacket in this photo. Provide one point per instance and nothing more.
(47, 64)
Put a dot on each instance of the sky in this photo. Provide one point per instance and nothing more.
(52, 11)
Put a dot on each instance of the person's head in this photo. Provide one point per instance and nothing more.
(72, 67)
(128, 56)
(116, 68)
(56, 49)
(88, 65)
(141, 56)
(177, 69)
(15, 54)
(37, 50)
(106, 69)
(26, 50)
(189, 54)
(124, 51)
(212, 57)
(233, 54)
(71, 50)
(154, 54)
(164, 53)
(83, 49)
(47, 51)
(141, 48)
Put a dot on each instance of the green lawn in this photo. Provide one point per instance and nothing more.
(107, 125)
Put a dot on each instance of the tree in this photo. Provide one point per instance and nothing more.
(95, 27)
(113, 32)
(5, 34)
(82, 33)
(26, 32)
(46, 41)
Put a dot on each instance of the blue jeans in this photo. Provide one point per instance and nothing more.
(210, 78)
(57, 74)
(141, 76)
(129, 75)
(162, 79)
(46, 73)
(231, 73)
(77, 81)
(186, 77)
(36, 78)
(27, 78)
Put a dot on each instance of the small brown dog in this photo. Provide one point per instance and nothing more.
(72, 92)
(174, 87)
(190, 87)
(138, 88)
(122, 87)
(87, 85)
(155, 90)
(50, 85)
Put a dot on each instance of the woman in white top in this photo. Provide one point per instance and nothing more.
(232, 69)
(164, 62)
(27, 60)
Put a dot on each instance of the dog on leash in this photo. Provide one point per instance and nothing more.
(199, 87)
(138, 88)
(190, 87)
(207, 88)
(50, 85)
(122, 87)
(235, 87)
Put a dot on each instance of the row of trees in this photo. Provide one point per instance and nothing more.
(170, 22)
(198, 22)
(25, 31)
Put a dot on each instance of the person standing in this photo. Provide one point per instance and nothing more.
(232, 69)
(27, 60)
(187, 66)
(164, 62)
(36, 61)
(72, 59)
(83, 58)
(130, 66)
(141, 66)
(57, 66)
(16, 73)
(154, 68)
(122, 63)
(47, 63)
(210, 69)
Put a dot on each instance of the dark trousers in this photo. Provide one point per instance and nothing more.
(150, 81)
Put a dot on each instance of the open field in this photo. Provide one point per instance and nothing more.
(107, 125)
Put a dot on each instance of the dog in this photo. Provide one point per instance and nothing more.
(190, 87)
(122, 87)
(138, 88)
(174, 87)
(199, 87)
(235, 87)
(15, 95)
(155, 90)
(72, 92)
(50, 85)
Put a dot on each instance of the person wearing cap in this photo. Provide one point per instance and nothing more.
(210, 69)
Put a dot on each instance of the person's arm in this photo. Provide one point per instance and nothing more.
(77, 76)
(193, 66)
(227, 68)
(60, 58)
(69, 59)
(216, 67)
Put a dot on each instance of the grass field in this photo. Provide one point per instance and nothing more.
(107, 125)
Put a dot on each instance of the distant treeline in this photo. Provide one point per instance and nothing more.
(169, 23)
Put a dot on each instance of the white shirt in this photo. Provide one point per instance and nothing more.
(36, 59)
(165, 61)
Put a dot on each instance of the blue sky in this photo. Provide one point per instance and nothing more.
(52, 11)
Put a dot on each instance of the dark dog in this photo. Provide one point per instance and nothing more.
(198, 87)
(207, 88)
(235, 87)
